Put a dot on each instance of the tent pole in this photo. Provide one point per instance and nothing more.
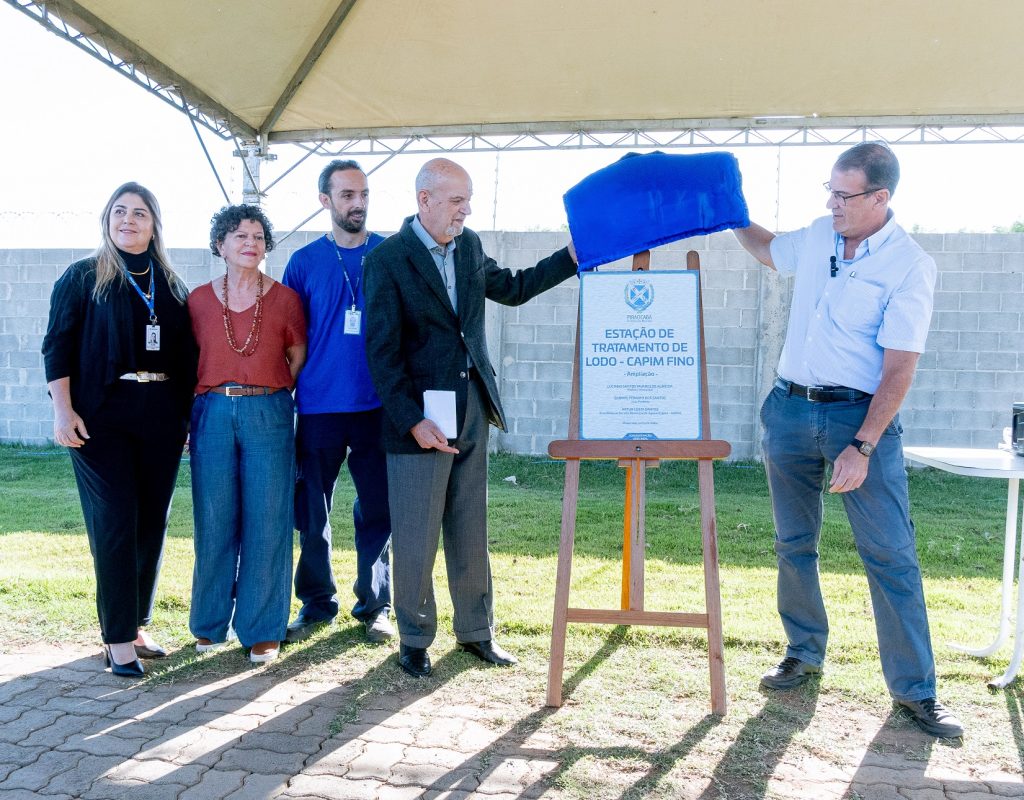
(252, 152)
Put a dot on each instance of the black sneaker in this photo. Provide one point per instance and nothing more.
(303, 627)
(790, 672)
(933, 718)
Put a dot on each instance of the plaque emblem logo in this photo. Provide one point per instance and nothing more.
(639, 295)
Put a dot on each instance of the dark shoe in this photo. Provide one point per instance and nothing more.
(933, 718)
(145, 647)
(488, 650)
(414, 660)
(379, 629)
(790, 672)
(303, 627)
(150, 652)
(133, 669)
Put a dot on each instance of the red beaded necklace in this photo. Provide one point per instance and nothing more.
(257, 319)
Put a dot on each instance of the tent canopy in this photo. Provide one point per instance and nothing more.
(281, 70)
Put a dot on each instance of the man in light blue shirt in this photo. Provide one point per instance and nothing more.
(861, 307)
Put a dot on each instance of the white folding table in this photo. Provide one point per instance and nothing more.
(990, 463)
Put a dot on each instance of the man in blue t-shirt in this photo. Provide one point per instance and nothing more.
(339, 414)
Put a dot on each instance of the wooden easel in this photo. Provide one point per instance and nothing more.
(637, 457)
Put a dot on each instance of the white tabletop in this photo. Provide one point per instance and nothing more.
(977, 461)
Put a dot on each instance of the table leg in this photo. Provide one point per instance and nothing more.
(1018, 643)
(1009, 551)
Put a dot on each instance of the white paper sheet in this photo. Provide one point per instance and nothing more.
(439, 407)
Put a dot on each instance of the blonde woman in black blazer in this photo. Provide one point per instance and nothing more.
(120, 366)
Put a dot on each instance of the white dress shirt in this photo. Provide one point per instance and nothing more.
(839, 327)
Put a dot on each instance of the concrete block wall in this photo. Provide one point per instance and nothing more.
(973, 369)
(966, 381)
(538, 341)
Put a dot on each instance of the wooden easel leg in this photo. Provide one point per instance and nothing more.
(626, 540)
(563, 576)
(636, 513)
(712, 585)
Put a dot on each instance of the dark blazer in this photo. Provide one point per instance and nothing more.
(415, 340)
(91, 342)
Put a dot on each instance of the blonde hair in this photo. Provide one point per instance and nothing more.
(110, 267)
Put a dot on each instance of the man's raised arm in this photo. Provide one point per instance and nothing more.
(756, 241)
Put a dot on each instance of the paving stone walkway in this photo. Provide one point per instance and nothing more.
(68, 729)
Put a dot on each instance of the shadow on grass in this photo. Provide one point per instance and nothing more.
(896, 762)
(897, 759)
(757, 750)
(515, 744)
(1014, 696)
(959, 519)
(208, 726)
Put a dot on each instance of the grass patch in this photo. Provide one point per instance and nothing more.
(636, 716)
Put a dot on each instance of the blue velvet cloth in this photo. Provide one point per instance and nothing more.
(642, 201)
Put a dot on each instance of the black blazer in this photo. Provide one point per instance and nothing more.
(91, 341)
(415, 340)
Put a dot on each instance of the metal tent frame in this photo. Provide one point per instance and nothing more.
(70, 21)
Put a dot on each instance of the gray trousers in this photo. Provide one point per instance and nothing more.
(428, 493)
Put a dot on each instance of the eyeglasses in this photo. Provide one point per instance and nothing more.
(842, 197)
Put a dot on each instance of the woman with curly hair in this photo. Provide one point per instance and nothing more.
(251, 333)
(120, 367)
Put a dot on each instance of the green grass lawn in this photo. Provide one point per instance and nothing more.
(47, 595)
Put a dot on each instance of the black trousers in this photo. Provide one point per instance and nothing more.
(126, 473)
(324, 442)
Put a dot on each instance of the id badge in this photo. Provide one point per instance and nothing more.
(353, 321)
(152, 337)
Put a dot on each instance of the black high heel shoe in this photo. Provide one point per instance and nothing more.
(133, 669)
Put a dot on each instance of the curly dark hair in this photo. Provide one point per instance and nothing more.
(230, 217)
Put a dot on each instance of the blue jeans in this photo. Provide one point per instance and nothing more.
(323, 441)
(801, 440)
(243, 472)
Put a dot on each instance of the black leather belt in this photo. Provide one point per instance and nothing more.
(821, 394)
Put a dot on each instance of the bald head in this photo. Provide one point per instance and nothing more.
(436, 170)
(443, 192)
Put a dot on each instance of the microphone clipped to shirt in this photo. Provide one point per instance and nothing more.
(833, 270)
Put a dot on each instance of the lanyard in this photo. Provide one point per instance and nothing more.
(352, 287)
(148, 299)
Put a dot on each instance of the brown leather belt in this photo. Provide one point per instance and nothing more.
(244, 391)
(821, 394)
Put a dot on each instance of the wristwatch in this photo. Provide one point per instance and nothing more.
(864, 448)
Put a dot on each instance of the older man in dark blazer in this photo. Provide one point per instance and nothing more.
(425, 290)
